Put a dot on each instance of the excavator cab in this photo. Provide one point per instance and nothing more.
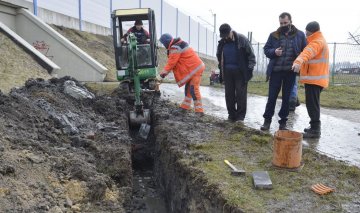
(136, 57)
(143, 51)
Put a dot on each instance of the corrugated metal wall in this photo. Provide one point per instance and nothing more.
(174, 21)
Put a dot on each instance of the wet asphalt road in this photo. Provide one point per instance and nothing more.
(340, 128)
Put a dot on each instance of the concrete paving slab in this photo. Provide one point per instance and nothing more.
(261, 180)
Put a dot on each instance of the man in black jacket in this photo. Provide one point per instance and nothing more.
(282, 48)
(236, 63)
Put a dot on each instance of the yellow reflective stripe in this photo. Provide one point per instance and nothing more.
(198, 107)
(191, 74)
(311, 50)
(178, 49)
(318, 61)
(306, 77)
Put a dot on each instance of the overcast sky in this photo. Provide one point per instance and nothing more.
(337, 17)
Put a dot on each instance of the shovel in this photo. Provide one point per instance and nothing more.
(144, 130)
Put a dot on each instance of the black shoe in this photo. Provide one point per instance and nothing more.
(292, 105)
(311, 133)
(309, 127)
(297, 102)
(231, 118)
(266, 125)
(283, 127)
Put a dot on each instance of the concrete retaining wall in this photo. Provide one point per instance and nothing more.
(36, 37)
(72, 60)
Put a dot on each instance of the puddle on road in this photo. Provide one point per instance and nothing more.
(339, 128)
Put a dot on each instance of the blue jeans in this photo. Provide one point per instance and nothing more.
(294, 91)
(278, 81)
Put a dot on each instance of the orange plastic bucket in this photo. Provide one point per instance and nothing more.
(287, 149)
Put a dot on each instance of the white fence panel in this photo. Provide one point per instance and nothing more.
(169, 19)
(97, 12)
(183, 28)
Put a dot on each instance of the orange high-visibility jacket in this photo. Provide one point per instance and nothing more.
(184, 62)
(314, 61)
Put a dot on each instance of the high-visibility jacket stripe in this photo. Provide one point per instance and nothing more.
(193, 72)
(178, 49)
(314, 61)
(314, 77)
(318, 61)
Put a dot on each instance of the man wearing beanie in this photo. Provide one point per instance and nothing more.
(313, 64)
(236, 63)
(282, 48)
(187, 68)
(142, 36)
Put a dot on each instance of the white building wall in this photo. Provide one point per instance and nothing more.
(95, 16)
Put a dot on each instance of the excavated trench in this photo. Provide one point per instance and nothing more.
(161, 183)
(146, 195)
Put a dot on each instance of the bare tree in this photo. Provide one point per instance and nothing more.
(355, 38)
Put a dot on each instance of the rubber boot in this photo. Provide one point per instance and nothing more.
(266, 125)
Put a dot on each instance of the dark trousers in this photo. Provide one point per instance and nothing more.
(312, 100)
(284, 81)
(235, 94)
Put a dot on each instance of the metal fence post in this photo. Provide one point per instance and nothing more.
(198, 37)
(333, 68)
(80, 18)
(177, 22)
(206, 44)
(161, 18)
(189, 28)
(111, 26)
(139, 3)
(258, 55)
(35, 7)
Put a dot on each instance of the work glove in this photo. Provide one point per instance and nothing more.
(296, 68)
(163, 74)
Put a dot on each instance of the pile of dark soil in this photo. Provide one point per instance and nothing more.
(60, 154)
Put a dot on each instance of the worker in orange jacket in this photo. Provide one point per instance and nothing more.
(313, 64)
(187, 68)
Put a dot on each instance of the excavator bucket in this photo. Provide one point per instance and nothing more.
(138, 118)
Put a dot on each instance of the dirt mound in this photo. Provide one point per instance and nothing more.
(59, 154)
(16, 66)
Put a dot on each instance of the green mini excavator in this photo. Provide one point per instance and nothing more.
(136, 62)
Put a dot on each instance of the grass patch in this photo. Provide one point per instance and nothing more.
(336, 96)
(252, 151)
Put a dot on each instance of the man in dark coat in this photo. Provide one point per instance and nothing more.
(282, 48)
(236, 63)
